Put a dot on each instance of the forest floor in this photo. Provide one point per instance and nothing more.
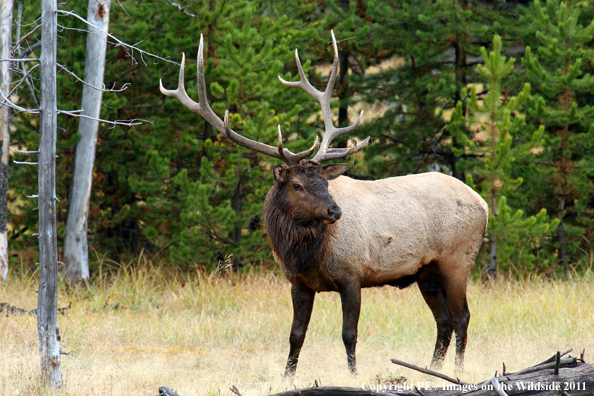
(137, 330)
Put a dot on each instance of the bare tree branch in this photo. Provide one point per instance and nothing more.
(17, 45)
(24, 162)
(24, 78)
(123, 8)
(183, 8)
(8, 102)
(28, 81)
(430, 372)
(26, 152)
(74, 113)
(26, 52)
(134, 121)
(20, 60)
(92, 86)
(118, 41)
(22, 57)
(29, 49)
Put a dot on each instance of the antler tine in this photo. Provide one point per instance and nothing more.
(303, 83)
(331, 132)
(180, 91)
(208, 113)
(288, 156)
(338, 153)
(281, 150)
(307, 153)
(203, 108)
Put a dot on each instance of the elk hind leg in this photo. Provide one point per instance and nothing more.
(455, 287)
(433, 290)
(458, 304)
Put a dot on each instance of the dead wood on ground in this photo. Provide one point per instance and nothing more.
(559, 375)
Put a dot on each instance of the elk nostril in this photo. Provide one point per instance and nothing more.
(334, 212)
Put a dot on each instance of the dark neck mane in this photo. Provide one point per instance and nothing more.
(298, 243)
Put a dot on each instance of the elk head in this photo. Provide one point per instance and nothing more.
(305, 182)
(304, 191)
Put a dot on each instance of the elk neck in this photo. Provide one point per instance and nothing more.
(299, 243)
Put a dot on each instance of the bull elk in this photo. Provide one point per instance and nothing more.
(332, 233)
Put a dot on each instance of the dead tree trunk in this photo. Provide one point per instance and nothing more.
(47, 316)
(492, 270)
(343, 72)
(76, 252)
(6, 11)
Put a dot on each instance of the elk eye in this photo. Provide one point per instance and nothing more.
(297, 187)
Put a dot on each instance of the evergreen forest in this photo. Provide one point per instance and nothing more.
(497, 93)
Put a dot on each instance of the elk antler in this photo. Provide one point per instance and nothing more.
(204, 109)
(325, 153)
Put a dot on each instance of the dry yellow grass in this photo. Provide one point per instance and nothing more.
(200, 336)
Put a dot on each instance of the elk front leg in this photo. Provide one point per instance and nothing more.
(303, 299)
(350, 297)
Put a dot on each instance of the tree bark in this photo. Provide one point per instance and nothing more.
(562, 242)
(492, 270)
(47, 315)
(6, 13)
(343, 84)
(563, 185)
(76, 252)
(461, 81)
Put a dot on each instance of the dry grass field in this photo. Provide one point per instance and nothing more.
(130, 333)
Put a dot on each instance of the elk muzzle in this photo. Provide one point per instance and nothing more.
(334, 214)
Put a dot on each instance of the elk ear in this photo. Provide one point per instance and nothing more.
(280, 173)
(332, 171)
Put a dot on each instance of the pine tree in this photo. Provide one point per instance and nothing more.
(557, 70)
(510, 231)
(434, 45)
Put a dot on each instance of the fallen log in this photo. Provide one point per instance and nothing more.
(8, 310)
(574, 380)
(558, 376)
(165, 391)
(430, 372)
(340, 391)
(555, 376)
